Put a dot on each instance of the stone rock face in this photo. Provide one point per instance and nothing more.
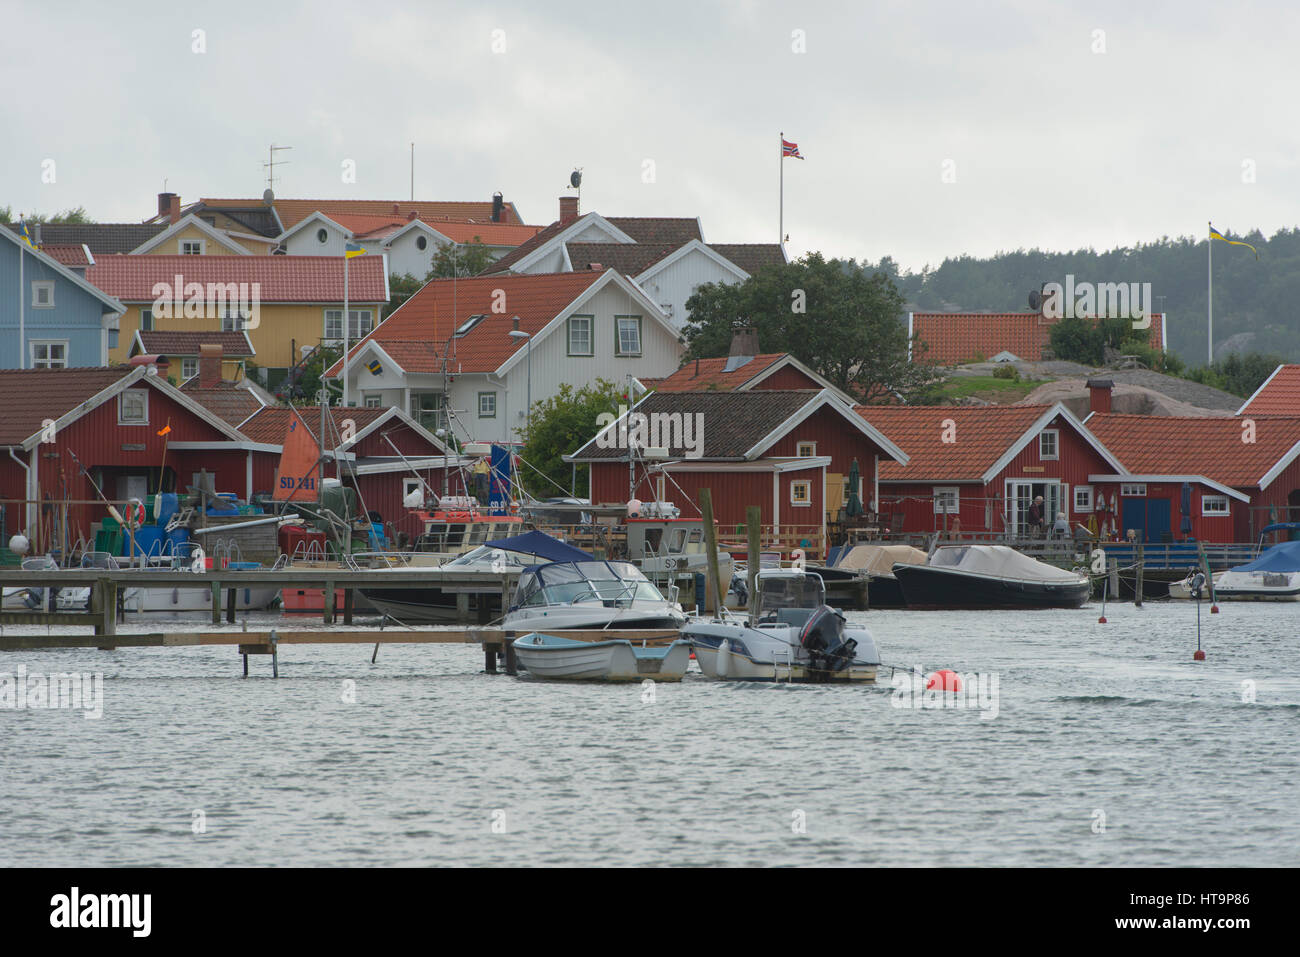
(1125, 397)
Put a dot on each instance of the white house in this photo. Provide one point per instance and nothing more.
(457, 352)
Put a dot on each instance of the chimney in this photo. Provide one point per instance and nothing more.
(169, 205)
(498, 208)
(209, 366)
(37, 235)
(568, 209)
(744, 342)
(514, 324)
(1099, 395)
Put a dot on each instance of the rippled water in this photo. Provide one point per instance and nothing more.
(436, 763)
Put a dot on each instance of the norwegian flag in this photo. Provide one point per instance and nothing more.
(789, 149)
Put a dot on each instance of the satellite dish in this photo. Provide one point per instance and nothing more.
(268, 197)
(1035, 299)
(575, 178)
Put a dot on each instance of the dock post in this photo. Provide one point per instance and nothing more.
(108, 609)
(1137, 588)
(462, 607)
(230, 604)
(275, 654)
(754, 530)
(711, 602)
(512, 666)
(1114, 577)
(348, 601)
(216, 603)
(490, 657)
(245, 664)
(329, 603)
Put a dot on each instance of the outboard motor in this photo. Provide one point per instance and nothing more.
(823, 638)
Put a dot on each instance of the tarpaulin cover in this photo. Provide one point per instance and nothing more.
(880, 559)
(1284, 557)
(543, 546)
(1000, 561)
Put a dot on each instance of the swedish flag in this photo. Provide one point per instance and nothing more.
(1215, 234)
(375, 366)
(22, 232)
(352, 250)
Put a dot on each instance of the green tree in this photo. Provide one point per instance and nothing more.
(75, 216)
(839, 318)
(303, 384)
(560, 425)
(401, 287)
(460, 261)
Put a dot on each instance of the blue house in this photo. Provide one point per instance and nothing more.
(50, 317)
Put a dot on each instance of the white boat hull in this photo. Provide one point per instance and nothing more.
(584, 615)
(602, 661)
(1258, 586)
(731, 651)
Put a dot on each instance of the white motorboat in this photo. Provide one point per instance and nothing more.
(557, 657)
(796, 636)
(589, 594)
(1274, 575)
(1183, 589)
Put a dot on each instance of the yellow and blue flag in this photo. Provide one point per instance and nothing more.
(1215, 234)
(22, 232)
(352, 250)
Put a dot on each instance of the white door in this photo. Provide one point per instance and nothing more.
(1020, 495)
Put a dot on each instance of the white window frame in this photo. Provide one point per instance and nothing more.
(189, 367)
(1085, 490)
(47, 362)
(146, 320)
(800, 453)
(121, 404)
(1135, 490)
(200, 243)
(806, 485)
(365, 323)
(372, 400)
(1223, 512)
(591, 336)
(941, 494)
(493, 413)
(233, 320)
(39, 286)
(1056, 445)
(618, 337)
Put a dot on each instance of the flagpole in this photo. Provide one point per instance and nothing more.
(781, 222)
(1209, 297)
(346, 330)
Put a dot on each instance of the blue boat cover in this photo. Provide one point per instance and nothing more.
(1283, 557)
(543, 546)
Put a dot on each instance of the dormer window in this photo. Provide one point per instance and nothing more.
(322, 236)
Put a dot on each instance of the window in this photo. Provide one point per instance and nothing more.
(191, 247)
(322, 237)
(410, 485)
(807, 449)
(947, 501)
(43, 294)
(1049, 444)
(133, 407)
(146, 320)
(580, 338)
(801, 493)
(629, 335)
(1133, 491)
(360, 322)
(1214, 505)
(1083, 498)
(372, 400)
(421, 243)
(49, 353)
(232, 321)
(487, 405)
(189, 368)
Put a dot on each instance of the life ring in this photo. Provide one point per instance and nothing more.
(134, 515)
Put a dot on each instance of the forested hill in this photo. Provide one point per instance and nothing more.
(1256, 302)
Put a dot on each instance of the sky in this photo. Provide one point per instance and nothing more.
(929, 130)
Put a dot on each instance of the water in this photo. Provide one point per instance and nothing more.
(435, 763)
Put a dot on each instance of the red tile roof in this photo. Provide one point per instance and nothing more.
(418, 329)
(292, 211)
(1280, 395)
(69, 254)
(234, 345)
(648, 230)
(1210, 446)
(957, 337)
(708, 374)
(490, 234)
(30, 396)
(983, 435)
(307, 279)
(271, 424)
(229, 400)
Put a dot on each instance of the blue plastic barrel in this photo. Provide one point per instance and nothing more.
(148, 540)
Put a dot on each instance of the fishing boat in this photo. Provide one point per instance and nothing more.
(794, 636)
(989, 576)
(589, 594)
(556, 657)
(433, 604)
(1274, 575)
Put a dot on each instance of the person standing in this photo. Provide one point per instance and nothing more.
(1035, 519)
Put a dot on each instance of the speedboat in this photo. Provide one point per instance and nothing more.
(432, 604)
(795, 636)
(589, 594)
(1185, 589)
(877, 563)
(989, 576)
(1274, 575)
(553, 656)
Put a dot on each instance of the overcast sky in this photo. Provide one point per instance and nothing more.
(1051, 143)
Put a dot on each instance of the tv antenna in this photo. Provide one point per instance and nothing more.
(271, 164)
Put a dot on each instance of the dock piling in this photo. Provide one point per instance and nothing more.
(1137, 588)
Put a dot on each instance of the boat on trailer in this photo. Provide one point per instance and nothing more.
(569, 659)
(989, 576)
(795, 636)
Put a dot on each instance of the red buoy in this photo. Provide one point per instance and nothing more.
(1101, 620)
(1214, 609)
(1198, 655)
(945, 679)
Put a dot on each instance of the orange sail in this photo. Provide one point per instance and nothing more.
(296, 477)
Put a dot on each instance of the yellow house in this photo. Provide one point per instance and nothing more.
(287, 305)
(193, 236)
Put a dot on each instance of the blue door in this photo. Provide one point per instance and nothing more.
(1150, 516)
